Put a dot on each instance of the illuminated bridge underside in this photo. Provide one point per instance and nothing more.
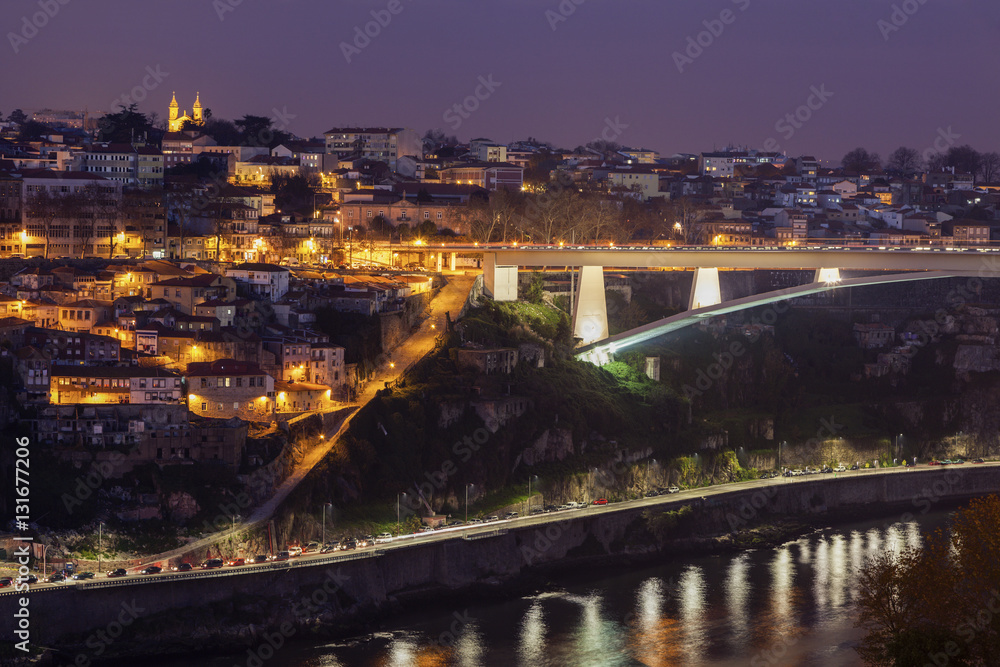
(600, 353)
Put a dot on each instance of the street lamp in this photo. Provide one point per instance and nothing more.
(527, 511)
(467, 502)
(397, 511)
(325, 505)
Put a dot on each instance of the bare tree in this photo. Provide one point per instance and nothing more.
(904, 161)
(687, 217)
(860, 160)
(44, 208)
(989, 167)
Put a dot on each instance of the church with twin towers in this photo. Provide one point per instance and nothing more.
(176, 121)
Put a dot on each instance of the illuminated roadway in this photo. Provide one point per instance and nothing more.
(477, 531)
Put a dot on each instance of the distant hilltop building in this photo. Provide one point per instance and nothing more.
(176, 122)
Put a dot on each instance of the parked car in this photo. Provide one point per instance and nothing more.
(366, 541)
(294, 551)
(840, 469)
(152, 569)
(120, 572)
(601, 501)
(281, 555)
(673, 489)
(55, 578)
(855, 467)
(182, 567)
(80, 576)
(572, 505)
(312, 547)
(236, 562)
(980, 461)
(211, 563)
(348, 543)
(260, 558)
(475, 521)
(383, 538)
(935, 463)
(492, 517)
(329, 547)
(510, 515)
(826, 470)
(536, 511)
(6, 581)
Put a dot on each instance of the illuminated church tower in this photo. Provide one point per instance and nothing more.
(175, 121)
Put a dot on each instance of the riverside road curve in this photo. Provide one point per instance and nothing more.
(485, 529)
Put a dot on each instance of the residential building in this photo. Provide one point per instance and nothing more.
(227, 388)
(373, 143)
(186, 293)
(302, 397)
(114, 384)
(127, 164)
(261, 281)
(489, 175)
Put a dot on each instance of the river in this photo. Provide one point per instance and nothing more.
(786, 606)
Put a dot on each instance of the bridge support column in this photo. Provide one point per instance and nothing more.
(499, 282)
(705, 289)
(590, 306)
(828, 276)
(451, 260)
(440, 261)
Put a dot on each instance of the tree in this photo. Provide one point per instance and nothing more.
(258, 131)
(963, 159)
(43, 208)
(125, 126)
(687, 217)
(932, 600)
(859, 160)
(434, 139)
(17, 116)
(292, 193)
(223, 131)
(989, 167)
(32, 130)
(904, 161)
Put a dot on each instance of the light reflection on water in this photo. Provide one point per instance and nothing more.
(790, 605)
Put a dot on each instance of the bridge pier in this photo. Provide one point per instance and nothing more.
(451, 260)
(590, 306)
(499, 282)
(827, 276)
(705, 290)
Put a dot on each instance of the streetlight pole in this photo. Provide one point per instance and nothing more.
(100, 543)
(528, 504)
(397, 512)
(323, 541)
(467, 502)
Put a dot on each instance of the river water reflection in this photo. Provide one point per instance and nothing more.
(786, 606)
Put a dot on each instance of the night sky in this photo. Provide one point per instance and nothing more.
(606, 60)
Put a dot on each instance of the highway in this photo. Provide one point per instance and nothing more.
(478, 531)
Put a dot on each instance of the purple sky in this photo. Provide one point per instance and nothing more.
(607, 60)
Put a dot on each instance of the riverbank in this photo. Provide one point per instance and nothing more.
(232, 613)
